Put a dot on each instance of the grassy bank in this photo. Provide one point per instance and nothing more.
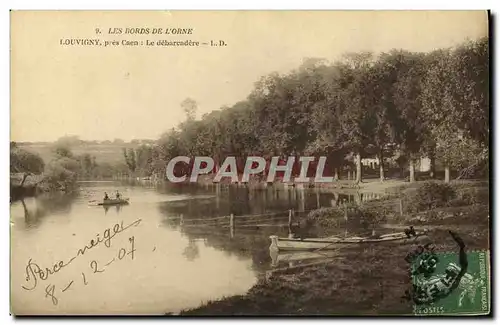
(366, 280)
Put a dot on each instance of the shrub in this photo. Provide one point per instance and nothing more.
(57, 177)
(430, 195)
(470, 196)
(325, 217)
(357, 216)
(366, 217)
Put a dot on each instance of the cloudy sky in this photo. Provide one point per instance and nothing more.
(124, 92)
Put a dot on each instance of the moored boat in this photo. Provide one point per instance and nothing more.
(293, 257)
(308, 244)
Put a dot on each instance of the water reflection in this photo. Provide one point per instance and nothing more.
(251, 240)
(117, 208)
(242, 201)
(35, 209)
(191, 252)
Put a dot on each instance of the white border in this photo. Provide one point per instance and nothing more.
(187, 4)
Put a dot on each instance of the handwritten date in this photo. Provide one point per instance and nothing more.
(94, 266)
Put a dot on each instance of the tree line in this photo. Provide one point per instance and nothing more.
(399, 105)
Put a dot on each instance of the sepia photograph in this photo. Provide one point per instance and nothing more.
(250, 163)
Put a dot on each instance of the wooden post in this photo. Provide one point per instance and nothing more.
(231, 225)
(182, 219)
(345, 218)
(401, 207)
(289, 218)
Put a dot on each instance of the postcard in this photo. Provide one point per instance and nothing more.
(271, 163)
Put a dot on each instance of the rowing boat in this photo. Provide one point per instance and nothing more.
(114, 202)
(111, 202)
(307, 244)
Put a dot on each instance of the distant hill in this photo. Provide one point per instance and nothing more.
(106, 151)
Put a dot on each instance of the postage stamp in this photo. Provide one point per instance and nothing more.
(451, 283)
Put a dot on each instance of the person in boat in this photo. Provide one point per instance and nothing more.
(106, 197)
(118, 195)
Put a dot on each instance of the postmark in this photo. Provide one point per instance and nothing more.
(449, 283)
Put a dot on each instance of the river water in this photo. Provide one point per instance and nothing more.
(154, 264)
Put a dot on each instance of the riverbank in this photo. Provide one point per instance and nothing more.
(373, 185)
(361, 281)
(368, 185)
(29, 185)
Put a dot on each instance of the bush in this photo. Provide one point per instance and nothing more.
(430, 195)
(470, 196)
(366, 217)
(357, 216)
(325, 217)
(57, 177)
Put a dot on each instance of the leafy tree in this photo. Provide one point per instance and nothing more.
(130, 160)
(356, 122)
(455, 101)
(144, 159)
(24, 161)
(189, 106)
(68, 141)
(408, 125)
(87, 165)
(62, 151)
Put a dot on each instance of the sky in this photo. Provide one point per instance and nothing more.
(135, 92)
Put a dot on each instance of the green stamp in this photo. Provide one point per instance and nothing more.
(451, 283)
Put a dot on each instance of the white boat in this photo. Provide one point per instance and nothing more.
(293, 257)
(308, 244)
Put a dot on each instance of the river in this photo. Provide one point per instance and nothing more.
(154, 264)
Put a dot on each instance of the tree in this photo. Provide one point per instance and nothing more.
(144, 160)
(409, 127)
(68, 141)
(130, 160)
(470, 88)
(87, 165)
(24, 161)
(356, 121)
(61, 151)
(455, 100)
(189, 106)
